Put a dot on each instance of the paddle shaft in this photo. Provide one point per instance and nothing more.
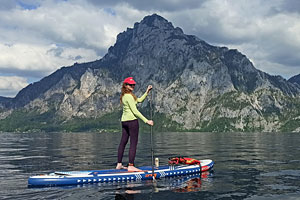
(151, 139)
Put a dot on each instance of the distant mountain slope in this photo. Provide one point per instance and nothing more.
(295, 79)
(197, 87)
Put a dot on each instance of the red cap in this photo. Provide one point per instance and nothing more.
(129, 80)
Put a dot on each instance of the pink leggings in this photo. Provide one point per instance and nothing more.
(130, 129)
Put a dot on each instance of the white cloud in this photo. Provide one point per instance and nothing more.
(11, 85)
(66, 23)
(40, 60)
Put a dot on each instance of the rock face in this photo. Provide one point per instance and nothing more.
(197, 86)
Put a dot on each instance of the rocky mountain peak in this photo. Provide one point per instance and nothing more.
(153, 37)
(155, 21)
(197, 87)
(149, 28)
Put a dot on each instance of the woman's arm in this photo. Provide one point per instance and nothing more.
(134, 110)
(142, 98)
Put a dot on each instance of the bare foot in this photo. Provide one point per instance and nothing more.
(120, 166)
(132, 191)
(134, 169)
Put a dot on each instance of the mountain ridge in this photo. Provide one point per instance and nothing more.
(188, 75)
(295, 79)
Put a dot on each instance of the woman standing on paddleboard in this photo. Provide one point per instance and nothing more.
(130, 124)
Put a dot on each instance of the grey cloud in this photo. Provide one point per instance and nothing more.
(11, 4)
(212, 31)
(8, 92)
(56, 51)
(166, 5)
(7, 4)
(102, 3)
(291, 6)
(101, 52)
(286, 56)
(33, 74)
(158, 5)
(272, 39)
(77, 57)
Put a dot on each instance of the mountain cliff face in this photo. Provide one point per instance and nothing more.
(197, 87)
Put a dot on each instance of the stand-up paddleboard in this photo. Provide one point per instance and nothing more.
(114, 175)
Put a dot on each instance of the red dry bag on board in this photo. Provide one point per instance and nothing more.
(183, 160)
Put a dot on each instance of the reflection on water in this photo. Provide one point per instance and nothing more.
(181, 184)
(247, 165)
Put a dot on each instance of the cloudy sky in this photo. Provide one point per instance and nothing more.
(38, 37)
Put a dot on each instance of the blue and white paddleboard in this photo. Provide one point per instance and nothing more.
(114, 175)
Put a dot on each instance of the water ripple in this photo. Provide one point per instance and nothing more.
(247, 166)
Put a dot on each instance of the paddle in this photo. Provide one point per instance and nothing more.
(151, 139)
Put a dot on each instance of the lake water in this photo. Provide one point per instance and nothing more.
(248, 166)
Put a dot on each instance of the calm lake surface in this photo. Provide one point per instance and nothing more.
(247, 165)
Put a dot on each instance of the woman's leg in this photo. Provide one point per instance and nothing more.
(134, 136)
(123, 142)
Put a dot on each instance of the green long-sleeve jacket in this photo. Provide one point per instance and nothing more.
(130, 112)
